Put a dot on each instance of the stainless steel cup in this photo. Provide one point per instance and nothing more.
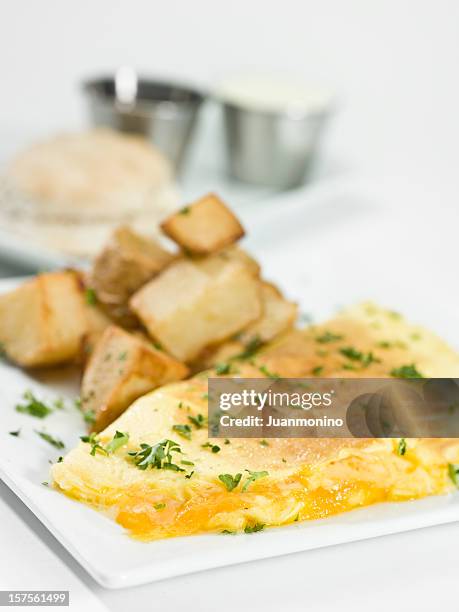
(271, 148)
(163, 112)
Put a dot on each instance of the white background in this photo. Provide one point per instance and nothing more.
(393, 64)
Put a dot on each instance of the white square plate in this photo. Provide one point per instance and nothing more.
(314, 269)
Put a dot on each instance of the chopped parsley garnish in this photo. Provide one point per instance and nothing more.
(264, 370)
(198, 421)
(406, 371)
(158, 456)
(252, 477)
(89, 416)
(453, 471)
(351, 353)
(401, 448)
(327, 337)
(213, 447)
(227, 441)
(59, 403)
(15, 433)
(93, 440)
(49, 438)
(228, 532)
(185, 210)
(185, 462)
(189, 475)
(254, 528)
(183, 430)
(33, 406)
(119, 439)
(229, 481)
(264, 443)
(122, 356)
(354, 355)
(369, 358)
(250, 349)
(317, 371)
(91, 296)
(222, 368)
(159, 506)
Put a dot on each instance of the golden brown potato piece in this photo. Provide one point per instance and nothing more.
(122, 368)
(278, 315)
(43, 321)
(127, 262)
(203, 227)
(194, 303)
(97, 323)
(235, 253)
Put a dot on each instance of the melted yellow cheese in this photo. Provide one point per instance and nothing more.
(307, 478)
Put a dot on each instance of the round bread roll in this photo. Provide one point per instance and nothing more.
(68, 192)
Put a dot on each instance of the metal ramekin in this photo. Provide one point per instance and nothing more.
(271, 148)
(164, 112)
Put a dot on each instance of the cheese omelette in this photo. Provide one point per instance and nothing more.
(161, 476)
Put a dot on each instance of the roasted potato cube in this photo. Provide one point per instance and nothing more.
(194, 303)
(43, 321)
(127, 262)
(278, 315)
(203, 227)
(235, 253)
(97, 323)
(122, 368)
